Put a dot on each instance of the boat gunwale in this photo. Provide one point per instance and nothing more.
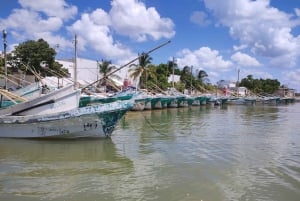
(73, 113)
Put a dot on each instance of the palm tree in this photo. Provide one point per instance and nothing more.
(202, 76)
(105, 69)
(141, 69)
(151, 75)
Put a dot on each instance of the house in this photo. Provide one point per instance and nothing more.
(286, 92)
(174, 78)
(226, 84)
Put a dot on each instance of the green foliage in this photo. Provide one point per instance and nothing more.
(105, 69)
(162, 74)
(172, 66)
(1, 65)
(58, 71)
(38, 56)
(1, 62)
(210, 87)
(202, 76)
(187, 78)
(141, 70)
(268, 86)
(180, 86)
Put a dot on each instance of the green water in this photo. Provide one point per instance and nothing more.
(186, 154)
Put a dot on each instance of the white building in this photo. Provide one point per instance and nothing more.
(88, 71)
(174, 78)
(226, 84)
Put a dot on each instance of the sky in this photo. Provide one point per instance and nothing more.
(253, 37)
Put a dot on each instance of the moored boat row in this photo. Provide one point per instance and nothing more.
(68, 113)
(149, 101)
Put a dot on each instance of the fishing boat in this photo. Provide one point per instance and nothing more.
(234, 100)
(216, 100)
(62, 99)
(91, 121)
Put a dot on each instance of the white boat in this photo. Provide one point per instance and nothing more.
(241, 100)
(30, 91)
(91, 121)
(65, 98)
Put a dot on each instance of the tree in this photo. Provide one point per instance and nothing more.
(141, 69)
(105, 69)
(152, 78)
(187, 77)
(268, 86)
(36, 56)
(162, 74)
(202, 76)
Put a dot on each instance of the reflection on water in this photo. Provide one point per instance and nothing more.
(229, 153)
(198, 153)
(48, 169)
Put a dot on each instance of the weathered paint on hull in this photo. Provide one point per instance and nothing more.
(139, 105)
(91, 121)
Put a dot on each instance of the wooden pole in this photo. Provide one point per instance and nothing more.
(75, 63)
(4, 33)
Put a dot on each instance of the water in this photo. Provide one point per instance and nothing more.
(186, 154)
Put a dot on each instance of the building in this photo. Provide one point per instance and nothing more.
(286, 92)
(174, 78)
(226, 84)
(88, 71)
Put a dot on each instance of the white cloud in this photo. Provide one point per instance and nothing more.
(257, 74)
(238, 48)
(96, 30)
(297, 11)
(30, 22)
(133, 19)
(199, 18)
(292, 78)
(39, 20)
(58, 8)
(203, 58)
(244, 60)
(99, 36)
(264, 29)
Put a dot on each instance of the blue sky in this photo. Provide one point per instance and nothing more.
(261, 38)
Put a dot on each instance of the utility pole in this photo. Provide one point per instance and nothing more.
(75, 62)
(4, 34)
(173, 63)
(191, 80)
(5, 60)
(238, 84)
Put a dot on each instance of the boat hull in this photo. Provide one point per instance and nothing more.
(91, 121)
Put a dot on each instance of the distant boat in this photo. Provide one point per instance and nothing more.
(241, 100)
(216, 100)
(268, 100)
(91, 121)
